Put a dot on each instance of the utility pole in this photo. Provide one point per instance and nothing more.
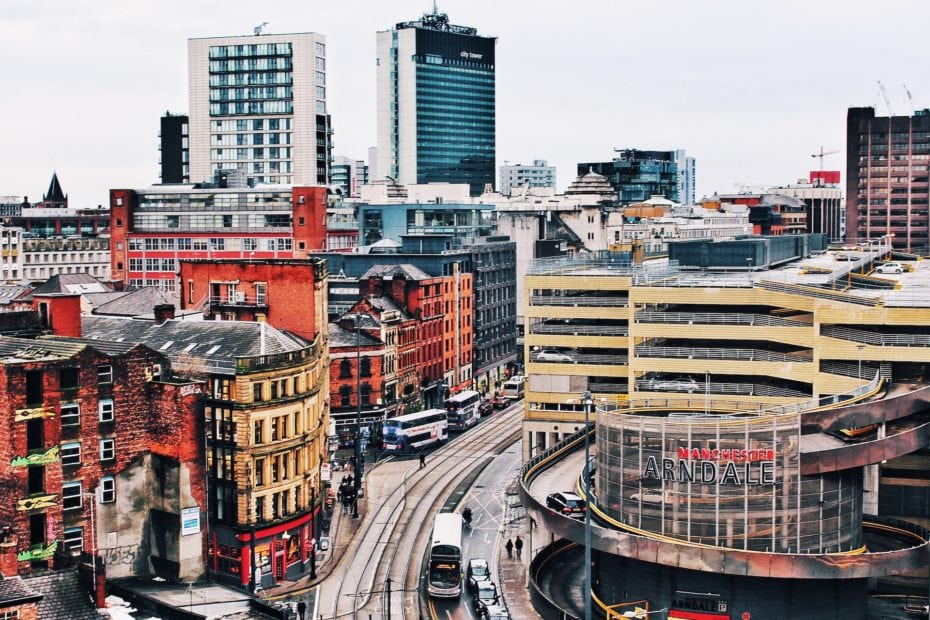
(357, 482)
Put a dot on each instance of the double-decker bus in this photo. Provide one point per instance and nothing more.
(513, 388)
(462, 410)
(445, 556)
(415, 431)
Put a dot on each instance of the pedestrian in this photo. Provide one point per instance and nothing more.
(422, 460)
(301, 609)
(519, 547)
(509, 547)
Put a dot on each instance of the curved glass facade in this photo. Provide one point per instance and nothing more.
(724, 481)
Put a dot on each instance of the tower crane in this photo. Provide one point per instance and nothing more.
(884, 91)
(823, 154)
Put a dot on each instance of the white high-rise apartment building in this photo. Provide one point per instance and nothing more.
(539, 174)
(258, 104)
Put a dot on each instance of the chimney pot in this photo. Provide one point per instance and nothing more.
(163, 312)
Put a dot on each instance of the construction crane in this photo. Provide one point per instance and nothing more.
(907, 92)
(258, 29)
(823, 154)
(884, 91)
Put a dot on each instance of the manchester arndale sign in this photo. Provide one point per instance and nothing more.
(714, 466)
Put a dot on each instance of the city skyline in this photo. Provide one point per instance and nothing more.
(750, 92)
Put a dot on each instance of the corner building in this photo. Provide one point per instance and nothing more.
(436, 103)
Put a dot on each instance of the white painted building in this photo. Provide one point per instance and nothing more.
(258, 104)
(44, 258)
(539, 174)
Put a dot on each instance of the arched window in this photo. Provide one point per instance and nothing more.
(365, 367)
(345, 368)
(345, 395)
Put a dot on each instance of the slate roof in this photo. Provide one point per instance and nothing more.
(386, 304)
(71, 283)
(406, 270)
(13, 591)
(62, 596)
(12, 292)
(344, 338)
(139, 302)
(212, 346)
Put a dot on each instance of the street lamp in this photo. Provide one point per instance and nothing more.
(586, 401)
(357, 482)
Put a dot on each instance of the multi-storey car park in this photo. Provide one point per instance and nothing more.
(760, 431)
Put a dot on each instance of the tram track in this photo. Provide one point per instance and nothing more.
(393, 539)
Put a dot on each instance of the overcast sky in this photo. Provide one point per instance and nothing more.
(749, 88)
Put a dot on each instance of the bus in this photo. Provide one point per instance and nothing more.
(513, 388)
(462, 410)
(415, 431)
(445, 556)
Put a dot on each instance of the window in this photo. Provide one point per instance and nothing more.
(366, 367)
(68, 378)
(70, 414)
(107, 449)
(106, 410)
(259, 472)
(259, 432)
(345, 396)
(74, 541)
(107, 490)
(366, 394)
(105, 374)
(345, 369)
(257, 392)
(70, 454)
(260, 508)
(71, 496)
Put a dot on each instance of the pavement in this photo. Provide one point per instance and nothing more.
(513, 571)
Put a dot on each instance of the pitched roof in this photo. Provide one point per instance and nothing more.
(388, 271)
(343, 338)
(13, 591)
(71, 283)
(54, 193)
(135, 303)
(62, 596)
(207, 346)
(386, 304)
(55, 348)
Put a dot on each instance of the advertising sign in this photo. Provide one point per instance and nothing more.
(190, 521)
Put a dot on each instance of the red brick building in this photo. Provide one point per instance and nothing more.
(152, 230)
(286, 293)
(99, 432)
(356, 363)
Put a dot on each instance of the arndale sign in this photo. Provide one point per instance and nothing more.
(714, 466)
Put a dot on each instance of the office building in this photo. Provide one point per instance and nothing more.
(436, 103)
(348, 175)
(152, 229)
(173, 150)
(258, 104)
(637, 175)
(887, 161)
(539, 174)
(824, 204)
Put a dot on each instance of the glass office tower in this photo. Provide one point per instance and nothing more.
(436, 103)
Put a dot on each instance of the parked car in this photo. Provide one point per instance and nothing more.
(495, 612)
(566, 502)
(653, 497)
(890, 268)
(678, 384)
(551, 355)
(478, 570)
(499, 402)
(485, 407)
(484, 595)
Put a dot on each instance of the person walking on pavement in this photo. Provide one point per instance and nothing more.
(519, 547)
(301, 609)
(422, 460)
(509, 547)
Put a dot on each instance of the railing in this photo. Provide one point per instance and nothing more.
(812, 291)
(609, 388)
(238, 299)
(717, 318)
(752, 355)
(849, 370)
(580, 300)
(585, 358)
(876, 339)
(717, 388)
(580, 330)
(704, 280)
(276, 360)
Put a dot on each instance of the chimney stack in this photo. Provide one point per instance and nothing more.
(59, 313)
(163, 312)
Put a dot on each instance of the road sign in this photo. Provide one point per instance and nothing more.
(326, 472)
